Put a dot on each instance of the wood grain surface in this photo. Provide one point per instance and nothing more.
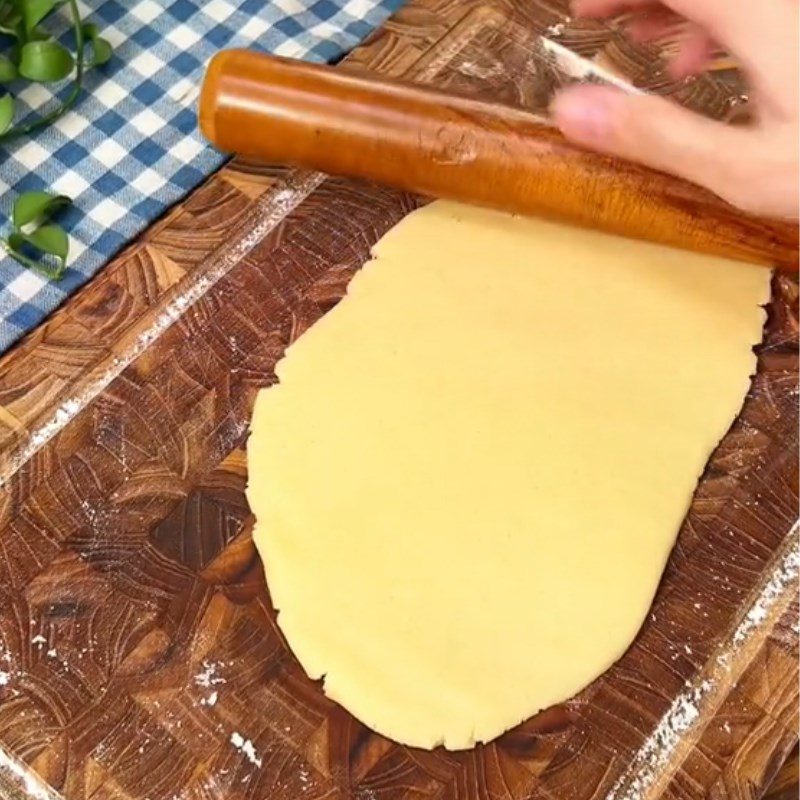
(139, 656)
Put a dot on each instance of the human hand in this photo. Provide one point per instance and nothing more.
(754, 166)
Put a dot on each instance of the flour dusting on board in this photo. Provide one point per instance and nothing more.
(268, 214)
(245, 746)
(482, 71)
(557, 28)
(661, 744)
(771, 592)
(208, 678)
(208, 675)
(30, 785)
(211, 700)
(654, 760)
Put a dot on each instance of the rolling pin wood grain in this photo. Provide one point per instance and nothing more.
(426, 141)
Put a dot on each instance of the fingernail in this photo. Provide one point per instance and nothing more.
(586, 113)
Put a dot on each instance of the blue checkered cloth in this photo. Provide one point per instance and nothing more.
(131, 148)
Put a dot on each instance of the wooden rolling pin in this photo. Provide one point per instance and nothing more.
(432, 143)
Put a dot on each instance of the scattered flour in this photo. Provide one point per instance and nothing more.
(474, 70)
(659, 746)
(655, 755)
(208, 678)
(211, 700)
(245, 746)
(5, 678)
(557, 28)
(782, 576)
(28, 783)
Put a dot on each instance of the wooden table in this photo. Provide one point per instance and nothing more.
(137, 641)
(786, 785)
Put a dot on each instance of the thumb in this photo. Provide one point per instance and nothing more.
(650, 130)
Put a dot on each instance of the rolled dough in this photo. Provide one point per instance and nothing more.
(473, 469)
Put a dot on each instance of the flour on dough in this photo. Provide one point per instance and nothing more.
(473, 469)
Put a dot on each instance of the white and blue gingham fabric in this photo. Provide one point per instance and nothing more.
(131, 147)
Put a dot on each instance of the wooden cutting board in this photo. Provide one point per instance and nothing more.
(139, 656)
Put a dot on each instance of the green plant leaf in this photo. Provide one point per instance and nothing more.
(46, 61)
(8, 70)
(47, 250)
(34, 11)
(16, 241)
(33, 54)
(7, 11)
(101, 49)
(34, 207)
(50, 239)
(11, 22)
(6, 112)
(14, 29)
(37, 35)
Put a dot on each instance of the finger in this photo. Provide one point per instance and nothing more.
(747, 30)
(734, 23)
(752, 32)
(650, 26)
(693, 57)
(650, 130)
(599, 9)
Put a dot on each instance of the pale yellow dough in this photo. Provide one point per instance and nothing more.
(475, 466)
